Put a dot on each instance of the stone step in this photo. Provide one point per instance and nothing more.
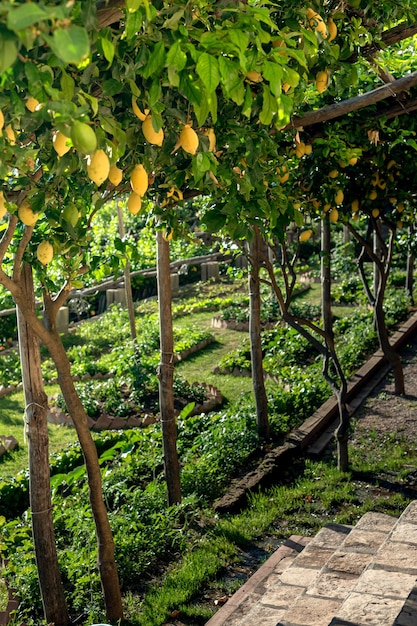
(386, 592)
(311, 590)
(237, 607)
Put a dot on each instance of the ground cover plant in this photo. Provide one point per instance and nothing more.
(212, 447)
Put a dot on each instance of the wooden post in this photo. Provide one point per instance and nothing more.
(36, 429)
(166, 372)
(128, 283)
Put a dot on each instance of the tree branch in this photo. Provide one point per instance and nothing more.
(354, 104)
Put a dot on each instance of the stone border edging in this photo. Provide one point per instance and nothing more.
(298, 440)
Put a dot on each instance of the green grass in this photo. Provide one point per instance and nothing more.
(12, 409)
(314, 494)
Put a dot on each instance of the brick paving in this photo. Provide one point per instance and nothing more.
(365, 575)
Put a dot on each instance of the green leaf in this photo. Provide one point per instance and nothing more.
(156, 61)
(155, 93)
(25, 15)
(67, 86)
(284, 110)
(71, 45)
(298, 218)
(201, 165)
(172, 22)
(269, 107)
(239, 38)
(214, 220)
(108, 49)
(8, 50)
(208, 70)
(176, 57)
(111, 87)
(201, 111)
(272, 72)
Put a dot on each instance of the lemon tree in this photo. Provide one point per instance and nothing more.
(204, 97)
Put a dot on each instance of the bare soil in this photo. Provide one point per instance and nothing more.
(385, 412)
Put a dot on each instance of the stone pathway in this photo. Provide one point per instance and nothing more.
(364, 575)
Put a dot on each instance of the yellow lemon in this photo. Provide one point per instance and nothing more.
(355, 217)
(305, 235)
(32, 104)
(400, 207)
(188, 139)
(373, 195)
(355, 206)
(1, 120)
(61, 143)
(400, 224)
(334, 173)
(353, 160)
(300, 149)
(254, 76)
(308, 148)
(151, 135)
(212, 139)
(98, 167)
(375, 213)
(134, 203)
(26, 214)
(322, 80)
(334, 216)
(332, 28)
(339, 196)
(45, 252)
(3, 209)
(10, 135)
(83, 137)
(137, 111)
(316, 21)
(139, 180)
(115, 175)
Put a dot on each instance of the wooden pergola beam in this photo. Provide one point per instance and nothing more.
(338, 109)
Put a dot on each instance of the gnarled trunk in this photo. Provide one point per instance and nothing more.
(36, 430)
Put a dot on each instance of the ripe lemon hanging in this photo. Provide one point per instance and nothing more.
(334, 216)
(305, 235)
(10, 135)
(134, 203)
(26, 214)
(188, 139)
(151, 135)
(355, 206)
(45, 252)
(98, 167)
(339, 196)
(375, 213)
(61, 143)
(3, 209)
(115, 175)
(139, 180)
(332, 28)
(32, 104)
(316, 21)
(300, 149)
(322, 80)
(83, 137)
(212, 139)
(334, 174)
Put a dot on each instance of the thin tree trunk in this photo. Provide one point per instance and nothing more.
(392, 355)
(128, 283)
(166, 373)
(261, 400)
(105, 544)
(342, 431)
(36, 430)
(409, 285)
